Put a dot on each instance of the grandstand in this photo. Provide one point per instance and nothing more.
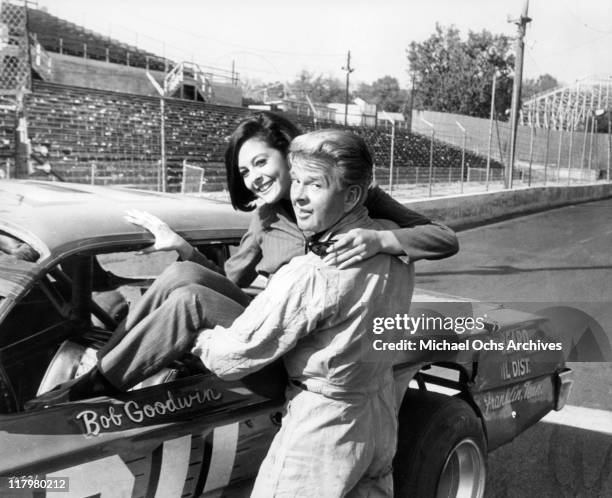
(77, 56)
(569, 107)
(119, 133)
(92, 109)
(62, 37)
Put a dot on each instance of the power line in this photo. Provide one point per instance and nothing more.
(172, 51)
(535, 62)
(238, 45)
(575, 47)
(579, 20)
(200, 36)
(183, 52)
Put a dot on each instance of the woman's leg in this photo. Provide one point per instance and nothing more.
(169, 332)
(166, 333)
(176, 276)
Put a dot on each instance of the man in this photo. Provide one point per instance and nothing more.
(338, 435)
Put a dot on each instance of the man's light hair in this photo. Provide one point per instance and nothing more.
(335, 150)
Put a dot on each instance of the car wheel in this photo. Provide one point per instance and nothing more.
(441, 448)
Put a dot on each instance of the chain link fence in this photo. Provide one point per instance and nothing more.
(101, 137)
(14, 81)
(14, 48)
(543, 156)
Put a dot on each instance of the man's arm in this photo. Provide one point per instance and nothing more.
(297, 298)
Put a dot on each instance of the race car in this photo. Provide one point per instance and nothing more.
(68, 275)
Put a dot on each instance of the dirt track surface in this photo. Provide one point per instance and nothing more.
(563, 255)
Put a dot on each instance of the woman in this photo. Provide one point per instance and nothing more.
(194, 294)
(257, 170)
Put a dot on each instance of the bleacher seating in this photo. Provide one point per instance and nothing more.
(120, 135)
(60, 36)
(103, 136)
(7, 138)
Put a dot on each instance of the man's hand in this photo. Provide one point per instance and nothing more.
(166, 239)
(354, 246)
(198, 346)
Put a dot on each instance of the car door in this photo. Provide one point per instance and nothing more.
(186, 435)
(184, 438)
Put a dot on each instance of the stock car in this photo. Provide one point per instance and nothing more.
(68, 273)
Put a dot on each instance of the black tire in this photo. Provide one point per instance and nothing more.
(441, 448)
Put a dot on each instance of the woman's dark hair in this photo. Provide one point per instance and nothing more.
(273, 129)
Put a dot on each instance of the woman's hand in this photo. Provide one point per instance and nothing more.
(166, 239)
(354, 246)
(359, 244)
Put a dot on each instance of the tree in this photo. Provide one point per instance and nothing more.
(452, 75)
(385, 92)
(319, 88)
(532, 87)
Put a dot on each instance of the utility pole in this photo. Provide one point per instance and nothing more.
(521, 23)
(609, 129)
(348, 70)
(411, 105)
(492, 116)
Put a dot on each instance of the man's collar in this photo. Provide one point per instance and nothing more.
(358, 217)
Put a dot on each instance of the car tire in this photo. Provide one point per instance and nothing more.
(441, 448)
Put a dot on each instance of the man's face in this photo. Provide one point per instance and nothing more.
(318, 200)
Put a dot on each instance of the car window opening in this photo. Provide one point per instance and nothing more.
(79, 303)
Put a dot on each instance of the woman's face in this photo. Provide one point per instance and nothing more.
(264, 170)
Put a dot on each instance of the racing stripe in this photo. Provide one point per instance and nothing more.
(174, 466)
(225, 442)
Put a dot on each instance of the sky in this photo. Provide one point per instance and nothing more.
(273, 40)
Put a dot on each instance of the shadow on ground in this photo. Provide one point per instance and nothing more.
(551, 460)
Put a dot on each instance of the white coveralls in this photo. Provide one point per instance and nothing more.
(339, 432)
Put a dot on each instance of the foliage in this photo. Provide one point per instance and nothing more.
(385, 92)
(532, 87)
(453, 75)
(319, 88)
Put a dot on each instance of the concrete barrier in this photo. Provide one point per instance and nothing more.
(469, 210)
